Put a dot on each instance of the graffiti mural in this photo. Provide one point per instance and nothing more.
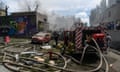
(19, 25)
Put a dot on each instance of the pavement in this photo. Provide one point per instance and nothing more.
(116, 64)
(115, 51)
(3, 69)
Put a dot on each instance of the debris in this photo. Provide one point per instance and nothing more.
(39, 59)
(46, 47)
(52, 62)
(111, 65)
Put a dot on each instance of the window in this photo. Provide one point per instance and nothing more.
(109, 14)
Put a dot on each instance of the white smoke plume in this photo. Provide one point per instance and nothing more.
(55, 21)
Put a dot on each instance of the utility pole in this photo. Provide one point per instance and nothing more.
(6, 11)
(6, 14)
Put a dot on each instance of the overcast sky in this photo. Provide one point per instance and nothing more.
(79, 8)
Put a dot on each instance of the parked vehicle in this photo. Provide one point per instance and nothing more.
(41, 37)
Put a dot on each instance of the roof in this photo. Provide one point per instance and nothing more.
(2, 9)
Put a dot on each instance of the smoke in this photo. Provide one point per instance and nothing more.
(55, 21)
(58, 22)
(36, 5)
(29, 5)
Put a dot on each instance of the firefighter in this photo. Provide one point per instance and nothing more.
(66, 40)
(56, 38)
(89, 40)
(7, 40)
(108, 40)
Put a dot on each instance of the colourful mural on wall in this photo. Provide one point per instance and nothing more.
(19, 25)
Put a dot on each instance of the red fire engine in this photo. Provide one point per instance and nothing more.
(84, 35)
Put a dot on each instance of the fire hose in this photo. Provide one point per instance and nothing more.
(101, 58)
(107, 65)
(69, 70)
(29, 59)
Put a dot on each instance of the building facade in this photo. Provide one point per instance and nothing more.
(95, 16)
(2, 12)
(109, 15)
(25, 23)
(113, 2)
(103, 5)
(112, 14)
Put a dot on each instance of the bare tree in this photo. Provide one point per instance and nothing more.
(37, 5)
(29, 5)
